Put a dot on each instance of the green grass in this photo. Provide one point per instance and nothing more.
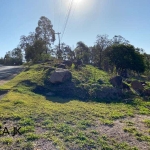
(139, 136)
(129, 123)
(90, 75)
(147, 122)
(31, 136)
(67, 123)
(27, 129)
(107, 122)
(7, 140)
(28, 145)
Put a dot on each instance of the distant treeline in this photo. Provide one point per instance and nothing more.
(14, 57)
(108, 54)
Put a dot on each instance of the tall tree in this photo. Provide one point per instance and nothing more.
(102, 43)
(45, 31)
(82, 52)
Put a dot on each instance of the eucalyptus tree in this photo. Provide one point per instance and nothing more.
(44, 35)
(45, 31)
(82, 52)
(102, 43)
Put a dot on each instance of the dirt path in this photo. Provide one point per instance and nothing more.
(117, 131)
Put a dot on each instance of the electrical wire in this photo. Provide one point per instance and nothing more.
(54, 13)
(59, 21)
(75, 5)
(67, 18)
(66, 15)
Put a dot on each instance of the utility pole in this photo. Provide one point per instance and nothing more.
(58, 38)
(59, 42)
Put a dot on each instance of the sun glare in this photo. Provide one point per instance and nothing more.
(78, 1)
(80, 6)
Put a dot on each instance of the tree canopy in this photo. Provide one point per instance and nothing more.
(45, 31)
(38, 44)
(14, 57)
(107, 54)
(126, 57)
(82, 52)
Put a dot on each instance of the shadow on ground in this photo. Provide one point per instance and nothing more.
(4, 74)
(63, 93)
(3, 93)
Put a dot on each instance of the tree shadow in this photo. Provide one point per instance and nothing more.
(66, 92)
(3, 93)
(57, 99)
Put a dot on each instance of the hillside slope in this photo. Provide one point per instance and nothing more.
(50, 122)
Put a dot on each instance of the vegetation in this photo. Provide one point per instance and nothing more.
(111, 55)
(67, 123)
(126, 57)
(14, 57)
(75, 115)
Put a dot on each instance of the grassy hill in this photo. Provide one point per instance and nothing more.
(52, 122)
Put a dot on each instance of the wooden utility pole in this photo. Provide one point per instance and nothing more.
(59, 42)
(58, 38)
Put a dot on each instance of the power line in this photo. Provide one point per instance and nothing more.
(67, 18)
(67, 12)
(59, 14)
(75, 5)
(54, 12)
(68, 9)
(59, 17)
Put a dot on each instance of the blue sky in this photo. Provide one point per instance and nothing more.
(88, 18)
